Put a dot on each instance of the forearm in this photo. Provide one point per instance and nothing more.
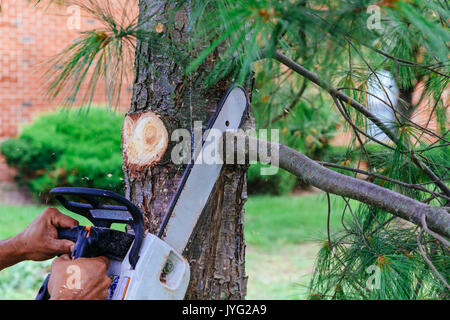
(10, 253)
(39, 241)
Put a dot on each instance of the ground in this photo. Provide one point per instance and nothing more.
(280, 274)
(283, 235)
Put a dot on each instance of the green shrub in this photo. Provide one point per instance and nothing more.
(68, 148)
(278, 184)
(27, 155)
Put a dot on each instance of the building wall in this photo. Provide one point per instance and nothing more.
(29, 37)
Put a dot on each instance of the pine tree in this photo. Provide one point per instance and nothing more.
(310, 59)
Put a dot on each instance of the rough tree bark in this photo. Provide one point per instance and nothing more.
(217, 252)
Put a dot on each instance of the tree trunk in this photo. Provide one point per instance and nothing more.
(405, 105)
(217, 251)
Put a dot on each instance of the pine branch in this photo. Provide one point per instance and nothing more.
(308, 170)
(379, 176)
(286, 110)
(359, 107)
(425, 257)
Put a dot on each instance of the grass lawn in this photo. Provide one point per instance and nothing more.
(14, 219)
(271, 222)
(283, 234)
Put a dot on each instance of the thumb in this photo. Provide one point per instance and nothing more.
(103, 260)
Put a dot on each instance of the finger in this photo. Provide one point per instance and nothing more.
(105, 294)
(101, 292)
(62, 246)
(103, 260)
(58, 265)
(60, 259)
(97, 294)
(60, 220)
(106, 284)
(64, 257)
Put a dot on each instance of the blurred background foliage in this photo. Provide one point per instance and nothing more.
(68, 148)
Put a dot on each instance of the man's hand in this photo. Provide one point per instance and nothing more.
(80, 279)
(39, 241)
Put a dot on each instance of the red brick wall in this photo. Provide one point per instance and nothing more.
(29, 36)
(6, 173)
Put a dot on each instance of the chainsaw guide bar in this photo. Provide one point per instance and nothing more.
(199, 178)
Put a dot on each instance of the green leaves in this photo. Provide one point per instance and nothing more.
(381, 263)
(68, 148)
(105, 54)
(435, 37)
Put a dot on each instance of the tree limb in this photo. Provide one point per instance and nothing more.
(379, 176)
(333, 182)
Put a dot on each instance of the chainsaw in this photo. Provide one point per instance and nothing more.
(142, 265)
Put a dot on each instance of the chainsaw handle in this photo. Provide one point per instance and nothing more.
(82, 243)
(76, 234)
(43, 291)
(103, 215)
(69, 233)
